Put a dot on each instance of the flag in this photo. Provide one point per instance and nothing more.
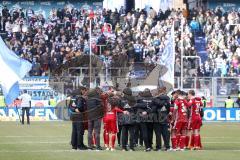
(168, 60)
(12, 69)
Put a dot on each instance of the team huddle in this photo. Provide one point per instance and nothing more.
(133, 120)
(186, 120)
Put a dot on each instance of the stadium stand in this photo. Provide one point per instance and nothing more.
(138, 35)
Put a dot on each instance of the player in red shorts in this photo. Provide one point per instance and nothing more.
(181, 120)
(171, 120)
(110, 125)
(195, 120)
(104, 97)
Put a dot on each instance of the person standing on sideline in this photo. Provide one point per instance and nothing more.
(204, 101)
(52, 102)
(25, 99)
(2, 99)
(229, 102)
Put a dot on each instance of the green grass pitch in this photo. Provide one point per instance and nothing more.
(50, 141)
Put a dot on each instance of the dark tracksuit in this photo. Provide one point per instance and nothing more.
(161, 106)
(138, 137)
(143, 105)
(77, 102)
(95, 113)
(127, 122)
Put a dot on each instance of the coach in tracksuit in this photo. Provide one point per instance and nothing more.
(144, 119)
(161, 106)
(126, 120)
(95, 113)
(76, 106)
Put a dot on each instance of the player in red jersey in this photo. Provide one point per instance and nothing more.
(195, 120)
(104, 97)
(181, 120)
(110, 125)
(171, 120)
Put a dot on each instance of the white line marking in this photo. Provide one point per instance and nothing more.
(67, 142)
(223, 142)
(217, 137)
(58, 151)
(37, 142)
(34, 136)
(69, 137)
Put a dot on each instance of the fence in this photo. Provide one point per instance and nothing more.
(215, 89)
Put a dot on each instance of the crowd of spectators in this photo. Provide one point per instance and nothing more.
(138, 36)
(222, 31)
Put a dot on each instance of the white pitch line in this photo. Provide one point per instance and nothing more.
(72, 151)
(37, 142)
(36, 151)
(223, 142)
(67, 142)
(34, 137)
(217, 137)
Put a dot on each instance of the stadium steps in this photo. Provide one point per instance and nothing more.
(200, 46)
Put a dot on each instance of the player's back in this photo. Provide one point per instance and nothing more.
(181, 106)
(196, 105)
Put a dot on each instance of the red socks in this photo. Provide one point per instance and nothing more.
(174, 142)
(192, 141)
(178, 141)
(107, 139)
(113, 140)
(197, 141)
(182, 142)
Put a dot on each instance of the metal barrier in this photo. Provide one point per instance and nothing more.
(215, 89)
